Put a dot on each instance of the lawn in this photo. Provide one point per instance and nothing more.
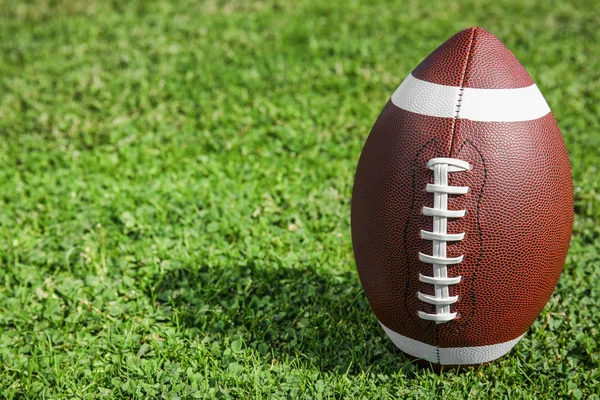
(175, 190)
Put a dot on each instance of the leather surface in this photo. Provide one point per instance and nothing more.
(519, 210)
(473, 58)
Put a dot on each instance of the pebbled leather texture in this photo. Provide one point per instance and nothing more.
(519, 209)
(489, 65)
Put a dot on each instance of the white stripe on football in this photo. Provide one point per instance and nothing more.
(489, 105)
(450, 355)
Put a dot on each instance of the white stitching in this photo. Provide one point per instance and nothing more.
(440, 213)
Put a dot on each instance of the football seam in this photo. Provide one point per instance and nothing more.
(452, 136)
(461, 88)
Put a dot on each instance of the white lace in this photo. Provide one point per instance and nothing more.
(440, 213)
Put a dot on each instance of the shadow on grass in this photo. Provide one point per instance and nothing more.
(292, 314)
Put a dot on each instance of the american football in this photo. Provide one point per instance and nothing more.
(462, 207)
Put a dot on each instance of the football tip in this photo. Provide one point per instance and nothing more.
(473, 58)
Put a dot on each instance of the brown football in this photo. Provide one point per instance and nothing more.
(462, 206)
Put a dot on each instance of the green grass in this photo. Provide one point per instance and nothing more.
(175, 186)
